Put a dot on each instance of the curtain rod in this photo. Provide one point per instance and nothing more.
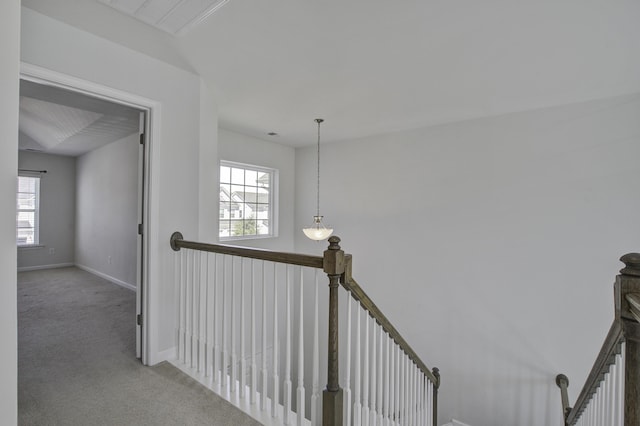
(32, 171)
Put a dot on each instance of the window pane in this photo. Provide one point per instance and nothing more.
(225, 174)
(27, 184)
(251, 177)
(26, 201)
(264, 179)
(237, 176)
(250, 195)
(225, 226)
(225, 210)
(237, 193)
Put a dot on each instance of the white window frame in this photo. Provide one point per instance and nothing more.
(273, 201)
(35, 210)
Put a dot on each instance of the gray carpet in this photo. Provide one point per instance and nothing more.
(77, 365)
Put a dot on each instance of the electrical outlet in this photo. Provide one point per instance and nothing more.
(109, 260)
(52, 250)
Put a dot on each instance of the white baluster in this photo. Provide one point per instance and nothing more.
(387, 378)
(287, 355)
(275, 399)
(380, 372)
(419, 377)
(618, 391)
(374, 373)
(346, 405)
(357, 405)
(183, 307)
(232, 324)
(208, 344)
(300, 404)
(216, 335)
(225, 325)
(243, 361)
(202, 316)
(407, 394)
(254, 375)
(392, 381)
(396, 392)
(316, 410)
(365, 375)
(196, 311)
(265, 380)
(189, 343)
(412, 393)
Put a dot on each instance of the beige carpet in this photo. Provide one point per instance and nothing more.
(77, 365)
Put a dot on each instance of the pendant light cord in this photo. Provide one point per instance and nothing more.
(318, 120)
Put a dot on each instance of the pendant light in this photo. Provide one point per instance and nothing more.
(318, 231)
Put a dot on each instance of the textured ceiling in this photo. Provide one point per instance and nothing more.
(172, 16)
(59, 121)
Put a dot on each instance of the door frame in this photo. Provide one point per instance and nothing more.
(151, 111)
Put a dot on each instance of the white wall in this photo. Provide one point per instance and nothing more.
(57, 210)
(491, 244)
(240, 148)
(9, 87)
(107, 210)
(174, 149)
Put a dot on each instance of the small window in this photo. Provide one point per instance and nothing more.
(246, 201)
(28, 211)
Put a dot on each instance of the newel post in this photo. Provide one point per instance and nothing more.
(562, 382)
(334, 267)
(627, 297)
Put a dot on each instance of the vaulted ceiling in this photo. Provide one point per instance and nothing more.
(375, 66)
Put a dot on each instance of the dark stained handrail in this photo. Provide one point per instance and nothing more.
(337, 265)
(177, 242)
(625, 328)
(365, 301)
(606, 358)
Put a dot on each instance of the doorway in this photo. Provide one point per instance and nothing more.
(108, 134)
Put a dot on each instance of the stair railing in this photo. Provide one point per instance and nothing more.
(391, 384)
(611, 394)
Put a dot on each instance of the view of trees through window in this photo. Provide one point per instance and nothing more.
(27, 211)
(245, 200)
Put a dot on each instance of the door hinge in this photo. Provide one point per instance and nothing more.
(141, 138)
(139, 319)
(140, 229)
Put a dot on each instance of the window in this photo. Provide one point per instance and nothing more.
(28, 211)
(246, 201)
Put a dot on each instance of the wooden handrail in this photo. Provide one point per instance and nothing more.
(365, 301)
(625, 328)
(606, 358)
(337, 265)
(177, 242)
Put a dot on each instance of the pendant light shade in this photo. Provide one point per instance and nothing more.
(318, 231)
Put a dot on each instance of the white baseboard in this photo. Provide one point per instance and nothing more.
(37, 268)
(454, 422)
(166, 355)
(107, 277)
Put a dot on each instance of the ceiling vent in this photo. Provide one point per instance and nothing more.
(173, 16)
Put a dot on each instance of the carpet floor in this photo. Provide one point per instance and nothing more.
(77, 365)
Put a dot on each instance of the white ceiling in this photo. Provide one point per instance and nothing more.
(374, 66)
(172, 16)
(58, 121)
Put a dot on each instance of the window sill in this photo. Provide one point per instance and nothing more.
(246, 238)
(31, 247)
